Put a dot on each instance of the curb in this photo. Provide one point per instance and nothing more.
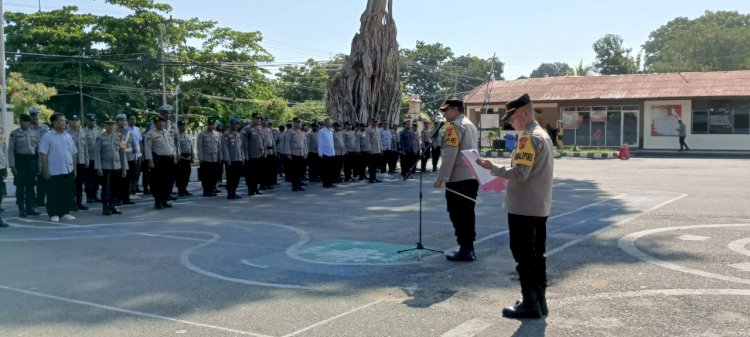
(496, 154)
(589, 155)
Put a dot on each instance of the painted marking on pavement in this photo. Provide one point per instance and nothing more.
(627, 243)
(739, 246)
(468, 328)
(745, 266)
(130, 312)
(247, 263)
(617, 224)
(333, 318)
(652, 292)
(688, 237)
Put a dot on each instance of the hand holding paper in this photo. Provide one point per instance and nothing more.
(487, 181)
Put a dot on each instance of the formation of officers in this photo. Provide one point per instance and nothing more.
(111, 164)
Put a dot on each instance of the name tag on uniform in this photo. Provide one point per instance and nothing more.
(451, 137)
(525, 153)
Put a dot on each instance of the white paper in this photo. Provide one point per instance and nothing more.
(483, 175)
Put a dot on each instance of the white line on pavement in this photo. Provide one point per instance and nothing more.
(468, 328)
(128, 311)
(332, 318)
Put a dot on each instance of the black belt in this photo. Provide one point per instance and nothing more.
(26, 155)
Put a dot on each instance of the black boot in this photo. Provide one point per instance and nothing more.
(528, 307)
(465, 254)
(105, 209)
(114, 209)
(3, 224)
(541, 293)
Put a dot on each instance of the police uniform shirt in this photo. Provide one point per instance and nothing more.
(530, 175)
(231, 146)
(426, 137)
(394, 140)
(159, 143)
(3, 153)
(376, 145)
(255, 146)
(91, 135)
(281, 143)
(186, 145)
(312, 142)
(364, 142)
(21, 141)
(350, 143)
(269, 141)
(338, 143)
(79, 138)
(40, 130)
(109, 153)
(460, 135)
(295, 143)
(209, 146)
(127, 138)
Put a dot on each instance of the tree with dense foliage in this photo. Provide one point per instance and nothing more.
(612, 58)
(716, 41)
(552, 70)
(23, 95)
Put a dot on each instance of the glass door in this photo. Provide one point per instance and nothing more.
(630, 128)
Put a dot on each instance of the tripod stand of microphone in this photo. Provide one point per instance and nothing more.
(419, 246)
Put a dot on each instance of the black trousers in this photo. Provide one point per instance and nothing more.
(91, 180)
(528, 237)
(373, 165)
(254, 173)
(327, 170)
(683, 144)
(161, 178)
(145, 175)
(210, 174)
(134, 172)
(313, 166)
(25, 179)
(435, 157)
(81, 168)
(425, 158)
(296, 170)
(41, 189)
(338, 166)
(182, 174)
(407, 162)
(461, 210)
(361, 168)
(270, 170)
(112, 184)
(350, 162)
(391, 158)
(234, 170)
(60, 191)
(124, 187)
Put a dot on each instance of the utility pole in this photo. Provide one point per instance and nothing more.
(161, 60)
(80, 90)
(3, 100)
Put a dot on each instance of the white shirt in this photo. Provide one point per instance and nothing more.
(135, 132)
(325, 143)
(59, 148)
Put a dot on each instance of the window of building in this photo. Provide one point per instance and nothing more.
(721, 117)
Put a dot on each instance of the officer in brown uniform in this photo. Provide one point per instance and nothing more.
(159, 151)
(460, 184)
(111, 165)
(209, 156)
(184, 168)
(528, 201)
(233, 154)
(41, 130)
(81, 159)
(131, 148)
(23, 160)
(295, 148)
(269, 162)
(91, 180)
(255, 147)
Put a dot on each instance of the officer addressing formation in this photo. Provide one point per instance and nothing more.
(59, 163)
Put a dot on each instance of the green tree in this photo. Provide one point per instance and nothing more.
(552, 70)
(612, 58)
(302, 83)
(468, 72)
(23, 95)
(421, 74)
(716, 41)
(311, 111)
(582, 70)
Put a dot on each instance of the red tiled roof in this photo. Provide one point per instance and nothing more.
(615, 87)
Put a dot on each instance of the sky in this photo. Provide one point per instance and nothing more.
(524, 34)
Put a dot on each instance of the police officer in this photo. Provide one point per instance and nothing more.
(3, 171)
(426, 136)
(376, 151)
(270, 163)
(183, 168)
(528, 201)
(159, 151)
(23, 160)
(313, 158)
(91, 180)
(255, 147)
(339, 147)
(365, 150)
(209, 156)
(436, 147)
(234, 156)
(131, 149)
(81, 159)
(40, 130)
(295, 148)
(393, 160)
(409, 145)
(111, 165)
(460, 184)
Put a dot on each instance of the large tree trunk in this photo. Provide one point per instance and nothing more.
(368, 84)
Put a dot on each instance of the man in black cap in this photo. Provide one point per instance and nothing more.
(91, 180)
(81, 159)
(209, 156)
(461, 185)
(183, 168)
(23, 160)
(528, 201)
(159, 151)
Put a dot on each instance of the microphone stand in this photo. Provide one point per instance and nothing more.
(420, 247)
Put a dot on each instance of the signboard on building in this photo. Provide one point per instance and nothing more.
(664, 120)
(569, 120)
(599, 116)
